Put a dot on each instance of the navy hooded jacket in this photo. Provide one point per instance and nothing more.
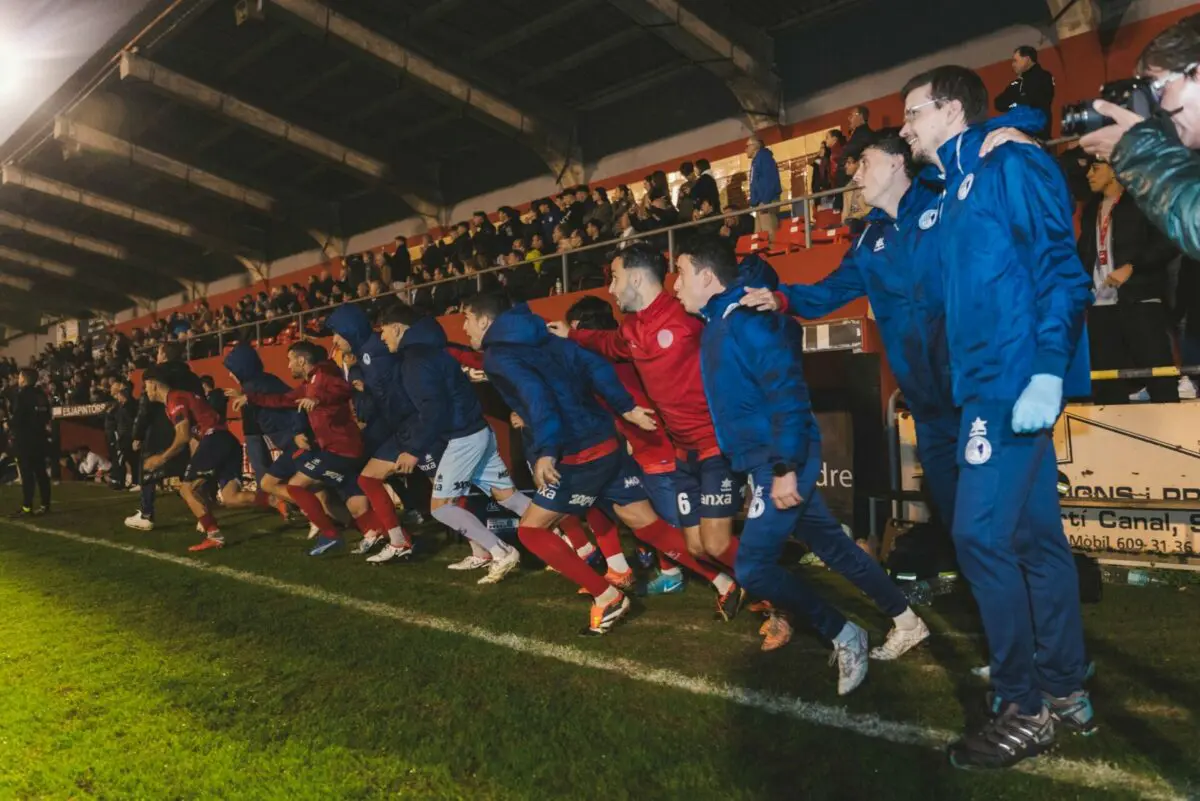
(380, 367)
(446, 404)
(751, 363)
(281, 425)
(1015, 291)
(552, 383)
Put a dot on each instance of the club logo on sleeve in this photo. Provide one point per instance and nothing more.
(879, 245)
(367, 359)
(665, 339)
(965, 188)
(979, 450)
(928, 219)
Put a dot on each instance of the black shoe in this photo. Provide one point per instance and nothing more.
(729, 604)
(1004, 741)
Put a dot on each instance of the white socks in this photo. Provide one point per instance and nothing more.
(607, 597)
(466, 524)
(617, 563)
(906, 620)
(722, 582)
(397, 537)
(516, 503)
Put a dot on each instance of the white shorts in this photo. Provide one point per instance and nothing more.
(471, 460)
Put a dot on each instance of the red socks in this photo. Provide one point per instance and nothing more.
(574, 532)
(366, 523)
(209, 524)
(381, 502)
(606, 532)
(546, 545)
(729, 556)
(669, 542)
(310, 504)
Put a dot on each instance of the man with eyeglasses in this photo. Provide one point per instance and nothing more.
(1154, 159)
(1015, 295)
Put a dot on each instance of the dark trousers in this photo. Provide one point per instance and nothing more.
(1131, 335)
(125, 461)
(32, 462)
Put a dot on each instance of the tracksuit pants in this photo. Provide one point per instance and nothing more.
(768, 529)
(937, 450)
(1013, 552)
(32, 462)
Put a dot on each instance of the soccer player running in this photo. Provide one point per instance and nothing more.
(663, 342)
(767, 429)
(353, 335)
(450, 435)
(217, 458)
(1015, 296)
(325, 396)
(551, 384)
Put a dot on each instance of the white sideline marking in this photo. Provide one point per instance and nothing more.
(1088, 774)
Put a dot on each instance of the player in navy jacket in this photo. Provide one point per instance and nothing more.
(1015, 297)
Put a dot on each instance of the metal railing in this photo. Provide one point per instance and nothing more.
(408, 293)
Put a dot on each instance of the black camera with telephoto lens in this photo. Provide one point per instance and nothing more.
(1131, 93)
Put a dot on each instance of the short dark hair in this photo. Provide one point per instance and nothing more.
(952, 82)
(207, 380)
(1027, 51)
(487, 304)
(643, 256)
(1175, 49)
(310, 351)
(173, 351)
(592, 314)
(889, 141)
(863, 112)
(686, 168)
(712, 253)
(482, 214)
(401, 313)
(837, 134)
(702, 165)
(30, 374)
(157, 375)
(602, 192)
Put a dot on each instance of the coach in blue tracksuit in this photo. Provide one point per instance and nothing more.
(751, 365)
(1015, 298)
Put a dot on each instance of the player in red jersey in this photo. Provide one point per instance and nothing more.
(325, 396)
(217, 458)
(662, 341)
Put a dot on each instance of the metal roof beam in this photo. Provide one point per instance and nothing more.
(549, 140)
(134, 67)
(18, 176)
(37, 262)
(752, 81)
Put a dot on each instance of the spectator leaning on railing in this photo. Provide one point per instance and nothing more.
(1155, 159)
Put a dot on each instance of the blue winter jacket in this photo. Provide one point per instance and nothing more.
(764, 178)
(446, 404)
(281, 425)
(1015, 291)
(750, 362)
(380, 367)
(552, 383)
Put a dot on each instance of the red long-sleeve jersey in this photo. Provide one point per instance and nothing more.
(201, 417)
(652, 450)
(663, 343)
(332, 419)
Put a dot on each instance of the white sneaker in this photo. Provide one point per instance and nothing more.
(1141, 396)
(1187, 388)
(368, 543)
(313, 531)
(136, 488)
(390, 553)
(851, 659)
(900, 641)
(502, 567)
(141, 523)
(472, 562)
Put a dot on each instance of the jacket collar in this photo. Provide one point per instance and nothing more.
(719, 306)
(661, 309)
(960, 154)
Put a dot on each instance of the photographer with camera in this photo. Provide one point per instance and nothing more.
(1153, 132)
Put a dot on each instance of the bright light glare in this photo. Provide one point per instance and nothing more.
(12, 73)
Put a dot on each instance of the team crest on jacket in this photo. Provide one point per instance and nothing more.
(367, 359)
(965, 188)
(979, 450)
(879, 245)
(928, 219)
(665, 339)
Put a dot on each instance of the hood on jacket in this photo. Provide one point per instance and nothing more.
(244, 363)
(351, 324)
(425, 331)
(517, 326)
(754, 271)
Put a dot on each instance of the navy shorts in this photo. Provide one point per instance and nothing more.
(338, 472)
(287, 465)
(661, 489)
(218, 458)
(391, 448)
(613, 480)
(706, 488)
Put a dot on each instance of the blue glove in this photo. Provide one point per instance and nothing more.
(1039, 404)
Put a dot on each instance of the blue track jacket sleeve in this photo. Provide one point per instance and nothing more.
(831, 293)
(603, 379)
(1032, 197)
(773, 358)
(422, 383)
(541, 412)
